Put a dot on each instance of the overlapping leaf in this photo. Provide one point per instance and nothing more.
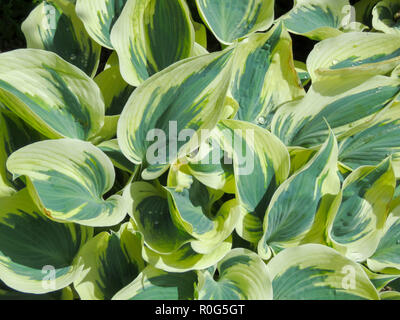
(54, 26)
(358, 224)
(166, 111)
(67, 178)
(316, 272)
(230, 20)
(150, 35)
(242, 275)
(54, 97)
(264, 76)
(298, 209)
(37, 255)
(109, 263)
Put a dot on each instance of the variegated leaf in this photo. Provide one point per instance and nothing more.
(318, 19)
(54, 26)
(354, 55)
(67, 178)
(109, 263)
(386, 16)
(261, 164)
(357, 226)
(54, 97)
(386, 258)
(264, 76)
(230, 20)
(183, 102)
(150, 35)
(344, 104)
(317, 272)
(242, 275)
(99, 17)
(155, 284)
(37, 255)
(298, 210)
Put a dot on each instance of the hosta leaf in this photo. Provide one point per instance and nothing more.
(114, 89)
(371, 145)
(302, 72)
(10, 294)
(67, 179)
(187, 97)
(210, 167)
(354, 54)
(386, 16)
(54, 26)
(186, 258)
(317, 272)
(154, 284)
(35, 250)
(380, 280)
(386, 258)
(109, 263)
(364, 11)
(14, 134)
(264, 76)
(390, 295)
(317, 19)
(242, 275)
(343, 105)
(113, 151)
(298, 209)
(357, 226)
(150, 212)
(147, 38)
(53, 96)
(200, 34)
(99, 17)
(230, 20)
(192, 208)
(261, 164)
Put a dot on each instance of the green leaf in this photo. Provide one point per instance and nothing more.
(357, 226)
(354, 55)
(99, 17)
(14, 134)
(147, 40)
(344, 104)
(386, 258)
(390, 295)
(261, 164)
(232, 20)
(317, 272)
(37, 255)
(114, 89)
(372, 145)
(51, 95)
(242, 275)
(67, 178)
(113, 151)
(154, 284)
(298, 209)
(109, 263)
(318, 19)
(386, 16)
(54, 26)
(186, 258)
(186, 99)
(150, 211)
(264, 76)
(192, 208)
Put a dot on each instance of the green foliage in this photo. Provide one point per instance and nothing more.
(144, 157)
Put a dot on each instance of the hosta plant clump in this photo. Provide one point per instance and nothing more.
(183, 149)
